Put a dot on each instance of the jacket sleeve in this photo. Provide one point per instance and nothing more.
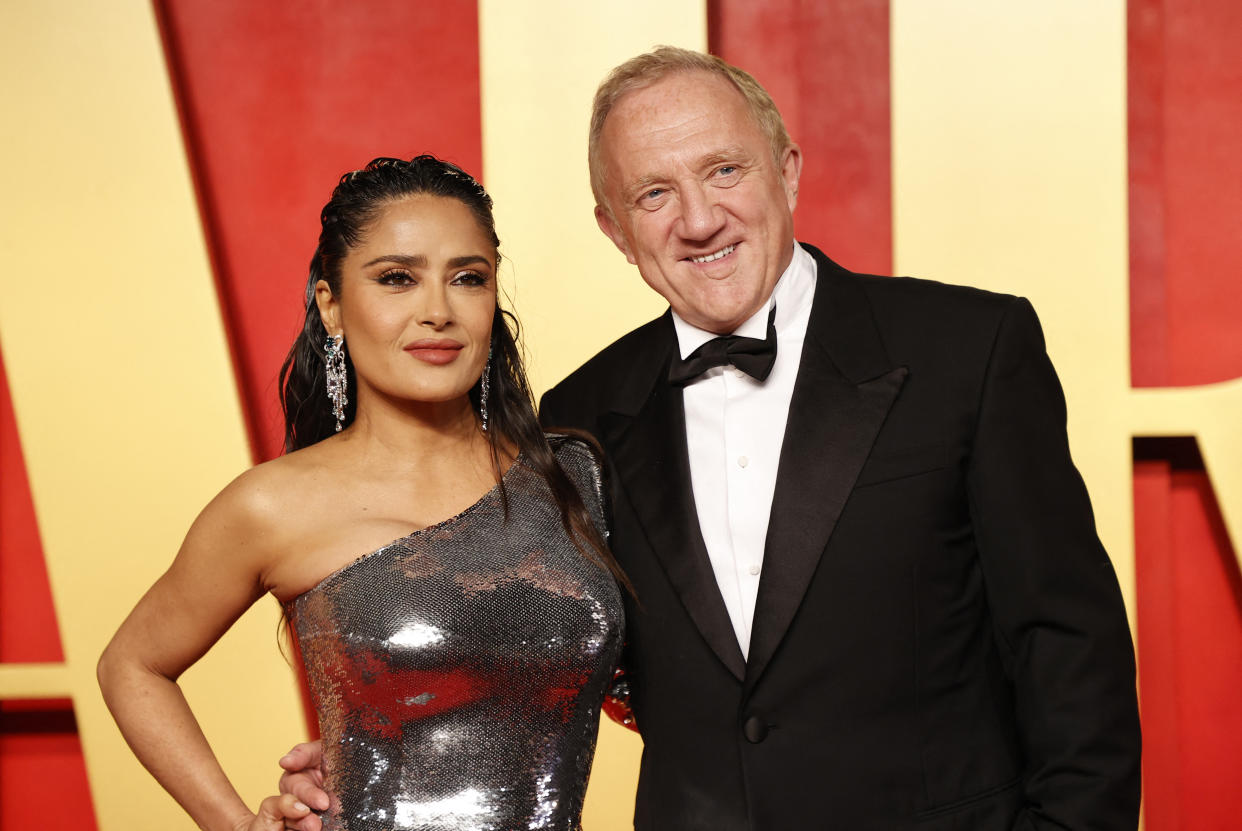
(1059, 619)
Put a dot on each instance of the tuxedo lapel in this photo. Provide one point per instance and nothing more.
(844, 390)
(649, 457)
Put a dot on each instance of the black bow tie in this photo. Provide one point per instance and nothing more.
(751, 355)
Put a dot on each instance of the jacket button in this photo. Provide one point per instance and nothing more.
(754, 730)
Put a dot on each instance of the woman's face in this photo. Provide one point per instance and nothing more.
(417, 298)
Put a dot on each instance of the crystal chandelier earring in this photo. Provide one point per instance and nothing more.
(484, 388)
(334, 361)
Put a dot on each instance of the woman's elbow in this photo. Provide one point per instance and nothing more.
(108, 670)
(118, 671)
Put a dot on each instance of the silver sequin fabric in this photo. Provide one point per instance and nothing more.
(458, 672)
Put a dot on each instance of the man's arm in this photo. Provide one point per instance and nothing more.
(303, 780)
(1060, 620)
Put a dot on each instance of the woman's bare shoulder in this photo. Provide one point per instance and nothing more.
(266, 505)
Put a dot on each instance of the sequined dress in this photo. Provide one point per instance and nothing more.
(458, 672)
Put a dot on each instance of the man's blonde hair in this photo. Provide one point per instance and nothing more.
(646, 69)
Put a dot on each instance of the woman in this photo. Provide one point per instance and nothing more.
(458, 667)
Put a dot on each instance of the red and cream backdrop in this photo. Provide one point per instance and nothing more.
(167, 164)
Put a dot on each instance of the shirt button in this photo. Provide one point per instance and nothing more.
(742, 461)
(754, 570)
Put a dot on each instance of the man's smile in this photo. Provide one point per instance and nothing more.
(715, 255)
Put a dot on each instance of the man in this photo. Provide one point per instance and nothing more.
(869, 590)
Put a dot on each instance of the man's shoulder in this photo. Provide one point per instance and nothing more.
(914, 302)
(917, 291)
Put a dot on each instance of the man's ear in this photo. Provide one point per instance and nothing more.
(791, 172)
(329, 308)
(603, 218)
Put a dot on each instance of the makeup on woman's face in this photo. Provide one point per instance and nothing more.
(418, 295)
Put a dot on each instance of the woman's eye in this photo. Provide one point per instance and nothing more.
(396, 278)
(470, 278)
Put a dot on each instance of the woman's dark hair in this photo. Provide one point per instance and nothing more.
(356, 202)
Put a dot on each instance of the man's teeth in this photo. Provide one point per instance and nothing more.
(723, 252)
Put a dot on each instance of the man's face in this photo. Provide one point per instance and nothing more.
(695, 199)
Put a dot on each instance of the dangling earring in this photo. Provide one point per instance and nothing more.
(334, 365)
(485, 387)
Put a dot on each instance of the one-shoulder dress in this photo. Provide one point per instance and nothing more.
(458, 672)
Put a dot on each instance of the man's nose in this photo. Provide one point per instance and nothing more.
(701, 217)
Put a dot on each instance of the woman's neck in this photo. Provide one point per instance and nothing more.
(418, 436)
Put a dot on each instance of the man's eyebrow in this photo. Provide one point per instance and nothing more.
(735, 154)
(729, 154)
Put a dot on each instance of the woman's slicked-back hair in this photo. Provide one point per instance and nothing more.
(356, 203)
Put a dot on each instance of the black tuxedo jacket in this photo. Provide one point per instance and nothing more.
(939, 641)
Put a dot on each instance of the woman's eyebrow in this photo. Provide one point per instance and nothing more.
(412, 260)
(420, 261)
(469, 259)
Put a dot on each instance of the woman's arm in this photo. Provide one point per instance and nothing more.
(217, 574)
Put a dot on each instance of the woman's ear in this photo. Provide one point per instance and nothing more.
(329, 308)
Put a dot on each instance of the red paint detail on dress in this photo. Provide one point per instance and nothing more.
(617, 701)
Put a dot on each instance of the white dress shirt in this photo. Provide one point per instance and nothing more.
(735, 426)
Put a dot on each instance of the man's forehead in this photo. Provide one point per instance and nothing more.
(679, 107)
(678, 90)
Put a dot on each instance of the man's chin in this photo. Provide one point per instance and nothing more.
(722, 319)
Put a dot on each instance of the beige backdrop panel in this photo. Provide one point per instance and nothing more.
(541, 62)
(121, 379)
(573, 291)
(1009, 173)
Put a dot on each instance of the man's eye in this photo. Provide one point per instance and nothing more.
(396, 277)
(727, 170)
(654, 193)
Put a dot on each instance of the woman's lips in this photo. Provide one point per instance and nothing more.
(438, 352)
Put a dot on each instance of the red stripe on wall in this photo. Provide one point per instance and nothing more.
(28, 630)
(1190, 642)
(1185, 201)
(41, 763)
(42, 773)
(1185, 117)
(826, 64)
(278, 100)
(1157, 642)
